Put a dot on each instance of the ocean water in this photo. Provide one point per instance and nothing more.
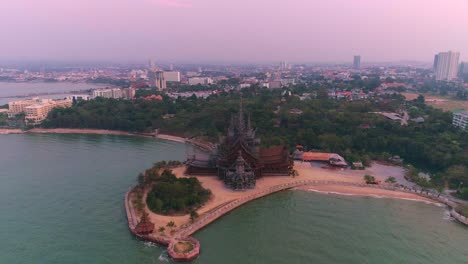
(61, 201)
(10, 90)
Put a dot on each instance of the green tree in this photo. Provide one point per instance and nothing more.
(193, 215)
(369, 179)
(141, 180)
(455, 175)
(171, 225)
(391, 180)
(464, 193)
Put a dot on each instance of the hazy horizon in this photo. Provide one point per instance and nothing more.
(204, 31)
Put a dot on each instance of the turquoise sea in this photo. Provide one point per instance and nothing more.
(61, 201)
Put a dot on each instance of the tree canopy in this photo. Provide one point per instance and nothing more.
(172, 195)
(349, 128)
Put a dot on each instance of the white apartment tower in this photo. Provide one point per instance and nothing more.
(446, 65)
(156, 80)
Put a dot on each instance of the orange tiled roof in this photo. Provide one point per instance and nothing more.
(320, 156)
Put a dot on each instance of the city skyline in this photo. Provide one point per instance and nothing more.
(239, 31)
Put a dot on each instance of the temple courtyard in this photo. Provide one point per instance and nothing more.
(222, 194)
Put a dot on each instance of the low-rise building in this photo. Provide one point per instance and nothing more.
(172, 76)
(274, 85)
(460, 119)
(200, 80)
(17, 107)
(38, 112)
(77, 97)
(116, 93)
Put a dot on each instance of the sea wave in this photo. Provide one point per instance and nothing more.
(376, 196)
(164, 257)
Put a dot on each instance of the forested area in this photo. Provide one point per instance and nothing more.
(172, 195)
(345, 127)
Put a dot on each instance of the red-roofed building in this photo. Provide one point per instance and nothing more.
(153, 97)
(332, 158)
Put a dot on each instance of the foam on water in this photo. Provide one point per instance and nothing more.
(164, 257)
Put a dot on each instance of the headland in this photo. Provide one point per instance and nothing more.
(224, 199)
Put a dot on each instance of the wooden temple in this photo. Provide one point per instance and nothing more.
(239, 160)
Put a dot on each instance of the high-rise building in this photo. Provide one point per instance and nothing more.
(357, 62)
(151, 64)
(283, 66)
(156, 80)
(436, 61)
(463, 70)
(446, 65)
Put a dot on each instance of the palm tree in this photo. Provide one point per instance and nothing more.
(171, 224)
(161, 229)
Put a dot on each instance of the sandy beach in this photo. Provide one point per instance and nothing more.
(222, 194)
(89, 132)
(79, 131)
(5, 131)
(363, 191)
(171, 138)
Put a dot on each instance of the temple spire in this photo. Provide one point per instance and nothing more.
(241, 116)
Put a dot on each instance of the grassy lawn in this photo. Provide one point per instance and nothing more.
(183, 247)
(463, 210)
(444, 103)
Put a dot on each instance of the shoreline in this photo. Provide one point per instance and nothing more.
(87, 131)
(346, 182)
(78, 131)
(310, 179)
(8, 131)
(211, 214)
(365, 192)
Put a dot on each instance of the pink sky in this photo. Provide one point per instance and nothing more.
(233, 31)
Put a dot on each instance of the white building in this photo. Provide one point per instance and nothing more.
(77, 97)
(172, 76)
(446, 65)
(274, 85)
(265, 85)
(157, 80)
(200, 80)
(461, 119)
(287, 81)
(116, 93)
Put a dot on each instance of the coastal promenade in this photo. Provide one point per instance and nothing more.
(185, 232)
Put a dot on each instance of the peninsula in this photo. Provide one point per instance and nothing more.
(235, 173)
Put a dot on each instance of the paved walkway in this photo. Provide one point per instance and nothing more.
(186, 231)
